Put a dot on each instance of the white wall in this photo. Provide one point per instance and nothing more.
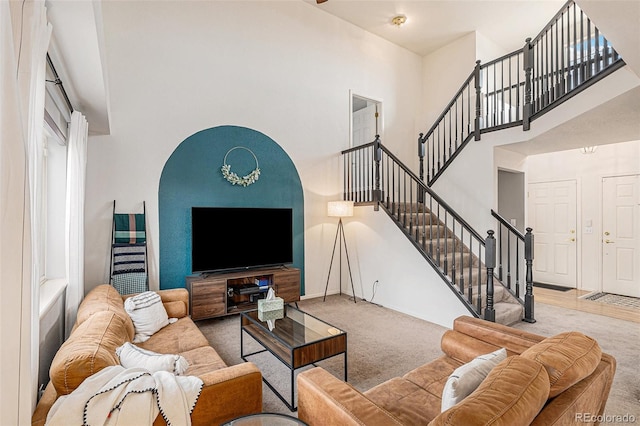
(588, 171)
(443, 72)
(380, 252)
(282, 68)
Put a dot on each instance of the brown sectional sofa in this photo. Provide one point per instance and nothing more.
(102, 325)
(543, 382)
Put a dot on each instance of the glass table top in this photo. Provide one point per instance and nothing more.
(296, 328)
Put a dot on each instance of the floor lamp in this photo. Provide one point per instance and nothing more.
(340, 209)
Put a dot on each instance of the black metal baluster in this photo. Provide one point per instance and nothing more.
(438, 238)
(479, 290)
(575, 49)
(446, 244)
(518, 89)
(500, 247)
(453, 251)
(431, 226)
(517, 268)
(589, 58)
(509, 260)
(462, 260)
(478, 87)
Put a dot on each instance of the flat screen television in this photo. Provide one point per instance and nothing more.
(227, 238)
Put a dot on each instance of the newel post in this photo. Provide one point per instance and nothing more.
(490, 263)
(477, 77)
(527, 63)
(528, 257)
(377, 157)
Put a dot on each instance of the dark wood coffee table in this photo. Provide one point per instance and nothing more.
(297, 340)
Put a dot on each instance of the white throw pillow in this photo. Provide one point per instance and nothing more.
(132, 356)
(466, 378)
(147, 313)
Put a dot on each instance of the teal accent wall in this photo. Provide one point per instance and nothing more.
(192, 177)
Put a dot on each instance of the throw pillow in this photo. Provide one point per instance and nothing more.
(466, 378)
(147, 313)
(568, 357)
(132, 356)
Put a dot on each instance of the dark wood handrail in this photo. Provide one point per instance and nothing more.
(509, 226)
(431, 193)
(502, 58)
(552, 21)
(450, 104)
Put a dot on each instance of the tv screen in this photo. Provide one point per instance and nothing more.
(225, 238)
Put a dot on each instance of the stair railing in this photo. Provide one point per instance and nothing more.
(373, 175)
(461, 256)
(512, 246)
(568, 55)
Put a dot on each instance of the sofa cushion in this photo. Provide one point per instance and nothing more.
(466, 378)
(406, 401)
(568, 357)
(132, 356)
(104, 298)
(89, 349)
(513, 393)
(203, 360)
(176, 338)
(433, 375)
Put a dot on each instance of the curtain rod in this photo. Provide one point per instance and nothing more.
(58, 82)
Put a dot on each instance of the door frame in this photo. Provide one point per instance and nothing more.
(380, 121)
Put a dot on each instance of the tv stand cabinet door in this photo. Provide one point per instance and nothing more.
(208, 298)
(287, 285)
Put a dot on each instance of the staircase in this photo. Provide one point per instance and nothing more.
(463, 259)
(569, 55)
(491, 275)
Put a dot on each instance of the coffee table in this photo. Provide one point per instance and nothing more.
(297, 340)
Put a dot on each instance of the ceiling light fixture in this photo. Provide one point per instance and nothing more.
(588, 149)
(399, 20)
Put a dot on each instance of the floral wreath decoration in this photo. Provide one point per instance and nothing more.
(233, 177)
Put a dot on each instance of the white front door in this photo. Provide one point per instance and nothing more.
(621, 235)
(552, 214)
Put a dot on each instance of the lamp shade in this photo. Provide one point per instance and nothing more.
(340, 208)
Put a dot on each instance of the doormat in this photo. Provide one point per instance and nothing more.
(552, 286)
(614, 299)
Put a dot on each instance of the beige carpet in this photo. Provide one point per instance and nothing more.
(383, 343)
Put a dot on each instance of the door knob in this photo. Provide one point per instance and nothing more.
(609, 241)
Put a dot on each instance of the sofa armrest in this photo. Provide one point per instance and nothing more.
(175, 301)
(471, 337)
(325, 399)
(228, 393)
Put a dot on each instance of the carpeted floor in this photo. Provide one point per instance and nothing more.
(383, 344)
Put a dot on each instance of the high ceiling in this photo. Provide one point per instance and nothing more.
(432, 24)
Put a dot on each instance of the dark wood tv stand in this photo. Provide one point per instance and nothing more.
(226, 293)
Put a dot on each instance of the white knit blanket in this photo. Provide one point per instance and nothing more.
(119, 396)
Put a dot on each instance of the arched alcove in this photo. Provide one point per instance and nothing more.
(192, 177)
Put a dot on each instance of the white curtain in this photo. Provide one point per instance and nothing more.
(24, 39)
(74, 221)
